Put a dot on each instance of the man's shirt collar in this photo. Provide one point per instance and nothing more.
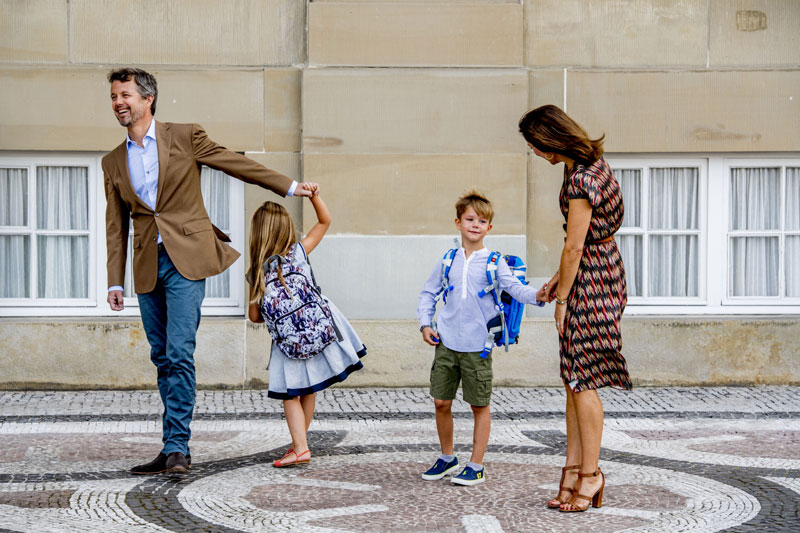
(151, 134)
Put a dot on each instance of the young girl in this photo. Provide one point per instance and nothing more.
(295, 381)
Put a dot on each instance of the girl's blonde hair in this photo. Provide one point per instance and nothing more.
(272, 232)
(549, 129)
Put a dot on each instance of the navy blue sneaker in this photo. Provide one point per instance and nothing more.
(468, 476)
(440, 469)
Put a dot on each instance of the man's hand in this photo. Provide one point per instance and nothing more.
(115, 300)
(429, 336)
(307, 189)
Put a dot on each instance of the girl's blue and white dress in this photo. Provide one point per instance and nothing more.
(289, 378)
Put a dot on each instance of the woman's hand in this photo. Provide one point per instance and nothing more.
(560, 316)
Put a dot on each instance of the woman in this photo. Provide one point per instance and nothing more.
(590, 294)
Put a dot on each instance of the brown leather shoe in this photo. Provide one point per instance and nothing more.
(177, 463)
(156, 466)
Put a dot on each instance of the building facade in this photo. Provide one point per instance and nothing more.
(396, 108)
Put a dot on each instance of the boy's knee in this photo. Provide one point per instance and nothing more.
(478, 409)
(442, 405)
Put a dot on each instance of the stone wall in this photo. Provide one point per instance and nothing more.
(396, 107)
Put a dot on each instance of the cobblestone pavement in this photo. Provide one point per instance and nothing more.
(678, 459)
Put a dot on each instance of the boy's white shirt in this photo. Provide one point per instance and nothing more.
(462, 321)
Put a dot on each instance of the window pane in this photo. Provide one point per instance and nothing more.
(754, 266)
(63, 266)
(630, 246)
(13, 196)
(792, 199)
(792, 267)
(630, 181)
(14, 271)
(673, 198)
(755, 198)
(215, 186)
(62, 198)
(129, 290)
(673, 265)
(219, 286)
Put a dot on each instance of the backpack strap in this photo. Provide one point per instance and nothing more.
(447, 262)
(273, 258)
(491, 277)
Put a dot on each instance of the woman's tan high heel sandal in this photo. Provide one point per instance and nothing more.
(557, 502)
(299, 459)
(595, 499)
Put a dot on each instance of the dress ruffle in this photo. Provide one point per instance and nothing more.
(289, 378)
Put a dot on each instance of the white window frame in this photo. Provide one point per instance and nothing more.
(30, 163)
(96, 305)
(714, 214)
(766, 162)
(644, 165)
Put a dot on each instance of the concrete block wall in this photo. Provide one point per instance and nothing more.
(396, 107)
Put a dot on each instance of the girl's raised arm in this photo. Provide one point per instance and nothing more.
(315, 234)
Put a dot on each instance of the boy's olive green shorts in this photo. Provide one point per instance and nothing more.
(450, 367)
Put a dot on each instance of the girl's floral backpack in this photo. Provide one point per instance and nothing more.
(297, 316)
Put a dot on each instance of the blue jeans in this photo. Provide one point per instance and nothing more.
(171, 315)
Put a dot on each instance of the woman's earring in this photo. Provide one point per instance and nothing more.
(549, 157)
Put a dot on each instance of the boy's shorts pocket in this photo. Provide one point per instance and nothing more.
(445, 374)
(479, 390)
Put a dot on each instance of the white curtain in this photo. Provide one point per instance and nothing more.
(755, 199)
(673, 259)
(674, 265)
(14, 249)
(673, 198)
(215, 186)
(792, 244)
(630, 246)
(755, 266)
(62, 203)
(129, 291)
(792, 267)
(755, 205)
(630, 182)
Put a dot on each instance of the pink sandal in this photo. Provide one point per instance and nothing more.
(298, 459)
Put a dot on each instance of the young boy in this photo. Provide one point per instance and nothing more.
(461, 336)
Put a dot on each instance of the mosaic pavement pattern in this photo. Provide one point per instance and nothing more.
(678, 459)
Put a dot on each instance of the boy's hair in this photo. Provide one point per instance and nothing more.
(478, 202)
(272, 232)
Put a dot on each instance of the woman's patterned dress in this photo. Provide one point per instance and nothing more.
(591, 344)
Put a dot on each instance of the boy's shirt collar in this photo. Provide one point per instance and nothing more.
(464, 251)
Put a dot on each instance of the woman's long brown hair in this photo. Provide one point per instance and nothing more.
(271, 233)
(549, 129)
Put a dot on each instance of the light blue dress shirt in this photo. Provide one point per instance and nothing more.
(143, 167)
(462, 321)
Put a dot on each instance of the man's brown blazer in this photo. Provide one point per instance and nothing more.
(196, 247)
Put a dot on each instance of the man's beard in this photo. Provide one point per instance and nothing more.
(132, 118)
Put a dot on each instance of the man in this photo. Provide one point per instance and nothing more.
(154, 178)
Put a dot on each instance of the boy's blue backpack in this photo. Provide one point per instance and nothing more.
(504, 328)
